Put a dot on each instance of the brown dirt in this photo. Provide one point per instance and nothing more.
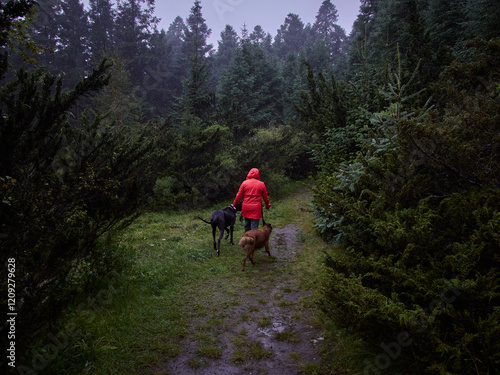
(256, 323)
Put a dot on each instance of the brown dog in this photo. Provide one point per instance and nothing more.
(255, 239)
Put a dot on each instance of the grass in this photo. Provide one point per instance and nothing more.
(246, 349)
(210, 351)
(167, 288)
(287, 336)
(264, 321)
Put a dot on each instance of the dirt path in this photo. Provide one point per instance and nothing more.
(255, 322)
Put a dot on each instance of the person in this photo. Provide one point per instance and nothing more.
(252, 191)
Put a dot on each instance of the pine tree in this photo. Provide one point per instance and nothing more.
(332, 34)
(290, 37)
(445, 21)
(177, 62)
(160, 81)
(484, 19)
(73, 45)
(263, 39)
(134, 27)
(325, 19)
(45, 32)
(414, 215)
(361, 30)
(102, 28)
(250, 94)
(293, 74)
(322, 106)
(228, 45)
(62, 188)
(197, 98)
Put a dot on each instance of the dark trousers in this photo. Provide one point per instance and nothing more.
(251, 224)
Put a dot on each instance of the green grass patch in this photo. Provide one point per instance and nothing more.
(257, 351)
(287, 336)
(264, 321)
(210, 351)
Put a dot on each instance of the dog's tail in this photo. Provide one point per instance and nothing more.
(208, 222)
(246, 240)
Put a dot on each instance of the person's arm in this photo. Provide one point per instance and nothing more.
(239, 195)
(265, 196)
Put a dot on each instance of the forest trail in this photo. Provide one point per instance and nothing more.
(260, 321)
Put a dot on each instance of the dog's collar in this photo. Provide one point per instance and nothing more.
(232, 206)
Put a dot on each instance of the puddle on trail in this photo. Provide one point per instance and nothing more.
(277, 327)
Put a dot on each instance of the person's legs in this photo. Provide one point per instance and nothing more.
(247, 224)
(251, 224)
(254, 224)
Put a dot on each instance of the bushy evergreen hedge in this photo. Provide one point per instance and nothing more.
(418, 218)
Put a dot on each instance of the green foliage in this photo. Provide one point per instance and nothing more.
(277, 152)
(323, 106)
(417, 215)
(205, 166)
(200, 168)
(198, 98)
(64, 187)
(416, 211)
(249, 94)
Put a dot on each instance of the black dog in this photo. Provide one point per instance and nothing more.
(223, 219)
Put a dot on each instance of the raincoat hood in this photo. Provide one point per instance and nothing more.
(254, 173)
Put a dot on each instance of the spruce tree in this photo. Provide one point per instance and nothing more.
(263, 39)
(102, 28)
(228, 44)
(73, 45)
(45, 32)
(483, 19)
(322, 106)
(414, 215)
(333, 35)
(198, 97)
(290, 37)
(134, 28)
(250, 94)
(178, 64)
(445, 19)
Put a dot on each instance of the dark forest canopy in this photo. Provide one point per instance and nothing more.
(104, 116)
(165, 66)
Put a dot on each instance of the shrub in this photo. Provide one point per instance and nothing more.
(63, 188)
(418, 217)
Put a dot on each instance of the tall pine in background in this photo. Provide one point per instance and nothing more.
(198, 97)
(134, 27)
(73, 53)
(102, 37)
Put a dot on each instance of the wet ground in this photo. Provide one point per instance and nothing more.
(264, 326)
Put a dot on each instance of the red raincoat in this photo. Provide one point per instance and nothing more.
(252, 190)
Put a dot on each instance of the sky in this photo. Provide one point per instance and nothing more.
(269, 14)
